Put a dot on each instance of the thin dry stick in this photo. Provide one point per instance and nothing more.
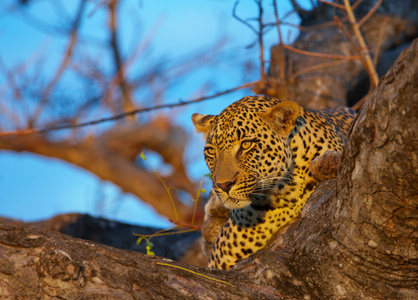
(282, 56)
(354, 6)
(347, 35)
(5, 112)
(127, 101)
(179, 224)
(234, 14)
(124, 115)
(199, 189)
(322, 55)
(336, 5)
(64, 63)
(258, 32)
(260, 39)
(379, 41)
(163, 182)
(370, 13)
(10, 83)
(119, 77)
(276, 15)
(364, 53)
(317, 67)
(164, 232)
(190, 271)
(302, 28)
(96, 8)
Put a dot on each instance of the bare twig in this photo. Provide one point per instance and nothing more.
(259, 32)
(370, 13)
(124, 115)
(260, 39)
(347, 35)
(127, 102)
(321, 55)
(302, 28)
(234, 14)
(282, 56)
(276, 15)
(364, 53)
(96, 8)
(341, 6)
(123, 67)
(64, 63)
(317, 67)
(379, 41)
(354, 6)
(336, 5)
(11, 80)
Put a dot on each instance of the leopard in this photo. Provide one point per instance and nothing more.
(258, 151)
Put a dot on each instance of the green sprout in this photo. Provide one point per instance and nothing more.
(148, 247)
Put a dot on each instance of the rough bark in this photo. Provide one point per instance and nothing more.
(357, 239)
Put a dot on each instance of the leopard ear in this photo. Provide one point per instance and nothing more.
(282, 117)
(202, 122)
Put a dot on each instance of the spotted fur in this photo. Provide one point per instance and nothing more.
(258, 151)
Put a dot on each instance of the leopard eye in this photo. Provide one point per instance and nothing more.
(246, 145)
(210, 151)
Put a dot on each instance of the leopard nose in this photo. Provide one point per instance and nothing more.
(226, 186)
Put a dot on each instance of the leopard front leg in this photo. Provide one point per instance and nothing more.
(247, 231)
(216, 215)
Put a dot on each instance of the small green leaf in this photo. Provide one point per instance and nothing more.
(202, 191)
(148, 247)
(143, 156)
(209, 176)
(139, 240)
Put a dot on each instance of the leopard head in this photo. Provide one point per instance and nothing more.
(247, 149)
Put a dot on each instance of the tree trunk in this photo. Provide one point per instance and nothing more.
(358, 239)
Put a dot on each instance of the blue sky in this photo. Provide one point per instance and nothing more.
(34, 187)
